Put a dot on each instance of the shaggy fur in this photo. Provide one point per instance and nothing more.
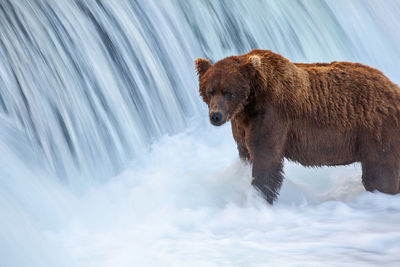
(315, 114)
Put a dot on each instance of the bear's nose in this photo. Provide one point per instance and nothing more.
(215, 117)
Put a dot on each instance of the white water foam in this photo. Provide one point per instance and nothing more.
(189, 203)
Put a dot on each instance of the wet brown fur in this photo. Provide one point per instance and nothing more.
(315, 114)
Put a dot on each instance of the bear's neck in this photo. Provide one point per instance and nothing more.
(253, 105)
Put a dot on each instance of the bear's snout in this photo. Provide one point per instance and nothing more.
(216, 118)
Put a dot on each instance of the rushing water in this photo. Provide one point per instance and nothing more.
(107, 158)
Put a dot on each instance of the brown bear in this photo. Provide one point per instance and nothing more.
(320, 114)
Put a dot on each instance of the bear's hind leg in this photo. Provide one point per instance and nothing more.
(381, 175)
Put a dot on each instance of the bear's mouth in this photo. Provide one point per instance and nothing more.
(218, 123)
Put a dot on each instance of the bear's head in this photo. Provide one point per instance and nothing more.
(226, 86)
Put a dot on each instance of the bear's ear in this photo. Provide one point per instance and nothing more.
(255, 60)
(202, 65)
(252, 70)
(251, 66)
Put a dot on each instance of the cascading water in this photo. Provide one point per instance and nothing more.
(90, 83)
(90, 90)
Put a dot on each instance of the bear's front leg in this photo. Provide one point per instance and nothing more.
(239, 133)
(267, 176)
(265, 140)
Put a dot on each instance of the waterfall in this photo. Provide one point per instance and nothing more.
(87, 86)
(89, 83)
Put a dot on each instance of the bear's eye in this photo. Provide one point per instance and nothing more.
(211, 93)
(228, 95)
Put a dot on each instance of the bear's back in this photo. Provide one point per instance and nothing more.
(348, 94)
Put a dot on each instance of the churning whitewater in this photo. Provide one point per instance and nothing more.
(107, 157)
